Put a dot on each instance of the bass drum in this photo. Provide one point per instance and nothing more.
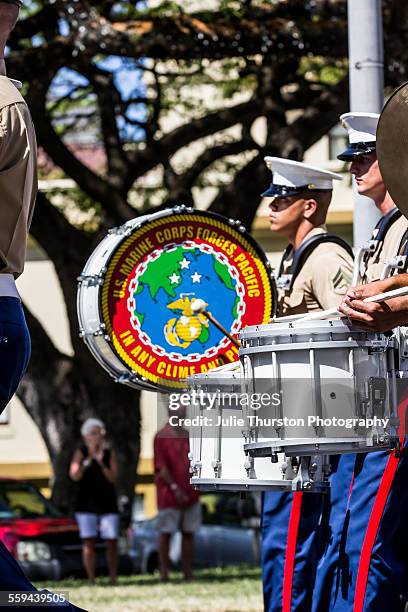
(137, 291)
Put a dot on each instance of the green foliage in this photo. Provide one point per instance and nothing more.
(190, 89)
(31, 7)
(167, 8)
(320, 70)
(80, 209)
(234, 7)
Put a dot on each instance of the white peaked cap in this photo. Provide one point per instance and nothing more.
(361, 127)
(290, 177)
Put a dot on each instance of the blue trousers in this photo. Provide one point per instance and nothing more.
(14, 357)
(290, 546)
(333, 569)
(14, 348)
(345, 551)
(364, 565)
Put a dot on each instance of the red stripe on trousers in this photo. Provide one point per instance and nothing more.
(372, 529)
(293, 529)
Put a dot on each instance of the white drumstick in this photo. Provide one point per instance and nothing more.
(288, 318)
(380, 297)
(199, 306)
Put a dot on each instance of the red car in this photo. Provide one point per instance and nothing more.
(44, 542)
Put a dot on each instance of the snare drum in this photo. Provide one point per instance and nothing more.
(217, 437)
(331, 379)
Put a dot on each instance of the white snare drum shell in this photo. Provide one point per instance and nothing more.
(322, 369)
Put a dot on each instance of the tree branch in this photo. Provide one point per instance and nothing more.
(320, 116)
(241, 198)
(211, 34)
(109, 100)
(209, 156)
(99, 189)
(163, 149)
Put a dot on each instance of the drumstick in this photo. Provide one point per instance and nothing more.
(288, 318)
(199, 306)
(380, 297)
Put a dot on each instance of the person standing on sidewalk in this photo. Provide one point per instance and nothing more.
(94, 469)
(177, 501)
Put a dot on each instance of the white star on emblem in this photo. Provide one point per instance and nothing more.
(184, 263)
(196, 277)
(174, 279)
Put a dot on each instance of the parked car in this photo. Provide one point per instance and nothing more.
(229, 535)
(44, 542)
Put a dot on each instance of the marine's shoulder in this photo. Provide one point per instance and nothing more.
(329, 251)
(400, 225)
(9, 93)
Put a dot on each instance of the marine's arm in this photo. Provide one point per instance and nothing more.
(331, 273)
(17, 168)
(373, 316)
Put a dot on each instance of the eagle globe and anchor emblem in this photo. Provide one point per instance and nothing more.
(183, 330)
(166, 280)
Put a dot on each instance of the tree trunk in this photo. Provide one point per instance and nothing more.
(62, 399)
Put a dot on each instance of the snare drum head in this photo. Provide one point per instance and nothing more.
(155, 275)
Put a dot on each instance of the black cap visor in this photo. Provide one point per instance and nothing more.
(356, 150)
(282, 191)
(15, 2)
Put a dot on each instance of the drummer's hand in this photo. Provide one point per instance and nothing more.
(361, 292)
(375, 317)
(381, 286)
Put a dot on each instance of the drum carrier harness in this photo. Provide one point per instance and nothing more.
(368, 250)
(285, 281)
(399, 263)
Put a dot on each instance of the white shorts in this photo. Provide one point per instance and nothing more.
(187, 520)
(90, 524)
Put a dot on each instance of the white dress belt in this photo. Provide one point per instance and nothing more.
(8, 286)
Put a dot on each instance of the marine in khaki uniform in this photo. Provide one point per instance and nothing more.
(368, 508)
(388, 234)
(301, 197)
(314, 275)
(18, 187)
(18, 178)
(322, 280)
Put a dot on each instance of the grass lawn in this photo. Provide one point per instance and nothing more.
(236, 589)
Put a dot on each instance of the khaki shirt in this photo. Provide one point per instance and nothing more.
(322, 281)
(375, 264)
(18, 177)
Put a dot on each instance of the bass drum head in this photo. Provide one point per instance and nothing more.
(152, 279)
